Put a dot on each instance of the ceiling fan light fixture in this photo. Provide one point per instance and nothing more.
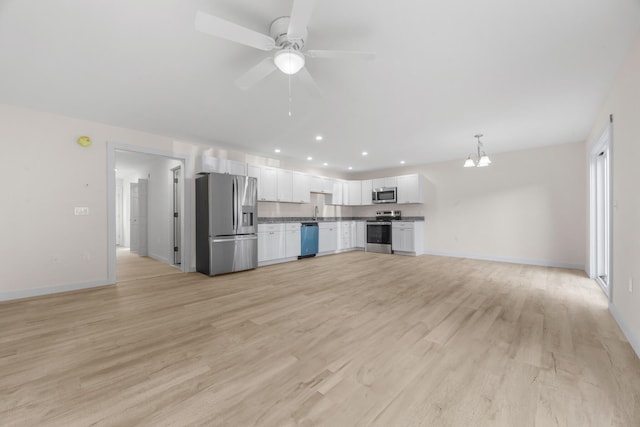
(289, 61)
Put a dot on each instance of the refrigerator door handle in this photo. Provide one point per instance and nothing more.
(234, 196)
(239, 196)
(234, 238)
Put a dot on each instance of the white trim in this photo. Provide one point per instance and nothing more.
(185, 266)
(604, 142)
(28, 293)
(163, 260)
(509, 260)
(628, 332)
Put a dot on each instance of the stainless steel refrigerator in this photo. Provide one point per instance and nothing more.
(226, 223)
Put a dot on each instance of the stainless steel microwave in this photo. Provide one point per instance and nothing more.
(384, 195)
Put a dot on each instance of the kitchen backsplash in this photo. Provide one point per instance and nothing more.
(279, 210)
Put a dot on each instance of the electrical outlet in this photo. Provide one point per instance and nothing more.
(630, 284)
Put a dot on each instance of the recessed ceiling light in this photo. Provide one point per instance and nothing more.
(309, 158)
(364, 153)
(350, 167)
(326, 164)
(319, 138)
(402, 162)
(277, 150)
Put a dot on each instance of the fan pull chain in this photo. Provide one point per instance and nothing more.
(289, 95)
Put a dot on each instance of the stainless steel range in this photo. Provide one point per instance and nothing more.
(379, 232)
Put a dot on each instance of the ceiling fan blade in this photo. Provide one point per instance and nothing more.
(340, 54)
(300, 16)
(309, 83)
(212, 25)
(258, 72)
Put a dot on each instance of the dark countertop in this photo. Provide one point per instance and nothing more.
(281, 220)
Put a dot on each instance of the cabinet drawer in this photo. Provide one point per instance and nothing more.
(264, 228)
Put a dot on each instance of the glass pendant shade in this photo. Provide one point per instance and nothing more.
(484, 161)
(469, 163)
(289, 61)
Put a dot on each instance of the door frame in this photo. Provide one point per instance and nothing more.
(111, 205)
(603, 143)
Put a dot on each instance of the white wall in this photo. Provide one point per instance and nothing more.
(624, 103)
(528, 206)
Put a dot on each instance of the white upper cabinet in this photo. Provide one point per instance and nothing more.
(236, 168)
(411, 189)
(337, 193)
(354, 193)
(367, 189)
(301, 188)
(315, 184)
(213, 164)
(285, 185)
(268, 184)
(327, 185)
(389, 181)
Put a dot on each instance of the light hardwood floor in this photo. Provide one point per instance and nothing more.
(346, 340)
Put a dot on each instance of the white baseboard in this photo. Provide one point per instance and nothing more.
(509, 260)
(160, 258)
(633, 339)
(28, 293)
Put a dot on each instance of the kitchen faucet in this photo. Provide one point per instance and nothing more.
(315, 213)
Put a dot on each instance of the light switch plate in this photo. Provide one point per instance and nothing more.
(81, 211)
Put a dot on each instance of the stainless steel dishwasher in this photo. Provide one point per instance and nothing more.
(308, 239)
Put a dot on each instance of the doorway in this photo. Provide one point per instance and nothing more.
(167, 232)
(600, 201)
(177, 207)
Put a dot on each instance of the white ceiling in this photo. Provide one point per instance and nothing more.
(525, 73)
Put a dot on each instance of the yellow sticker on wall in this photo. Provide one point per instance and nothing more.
(85, 141)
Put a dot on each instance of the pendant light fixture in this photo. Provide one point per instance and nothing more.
(481, 160)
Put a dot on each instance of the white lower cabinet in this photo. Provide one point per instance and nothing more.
(292, 240)
(361, 234)
(407, 237)
(327, 237)
(346, 235)
(271, 242)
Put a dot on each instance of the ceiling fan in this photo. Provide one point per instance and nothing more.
(287, 37)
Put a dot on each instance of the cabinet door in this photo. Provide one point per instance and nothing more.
(301, 188)
(367, 189)
(408, 240)
(336, 193)
(292, 243)
(263, 247)
(213, 164)
(327, 238)
(268, 184)
(285, 185)
(354, 193)
(385, 182)
(410, 189)
(254, 171)
(360, 234)
(316, 184)
(236, 168)
(327, 185)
